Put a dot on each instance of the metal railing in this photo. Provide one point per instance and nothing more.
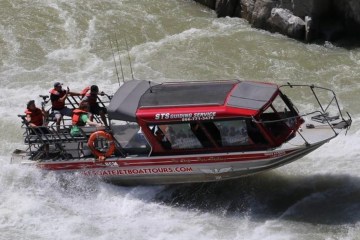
(57, 140)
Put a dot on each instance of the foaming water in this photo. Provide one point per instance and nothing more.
(42, 42)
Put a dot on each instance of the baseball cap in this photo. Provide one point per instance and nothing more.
(57, 84)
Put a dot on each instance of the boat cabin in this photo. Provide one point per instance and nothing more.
(201, 117)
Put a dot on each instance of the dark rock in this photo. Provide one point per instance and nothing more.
(247, 8)
(237, 12)
(208, 3)
(349, 12)
(325, 19)
(261, 13)
(302, 8)
(226, 8)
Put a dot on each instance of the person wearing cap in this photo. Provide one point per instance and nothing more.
(35, 117)
(92, 97)
(57, 98)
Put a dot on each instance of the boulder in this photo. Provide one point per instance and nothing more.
(325, 19)
(261, 13)
(247, 8)
(285, 22)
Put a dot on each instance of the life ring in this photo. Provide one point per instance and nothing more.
(97, 135)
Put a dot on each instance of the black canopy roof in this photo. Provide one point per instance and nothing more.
(136, 94)
(125, 101)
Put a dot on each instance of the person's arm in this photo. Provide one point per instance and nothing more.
(92, 123)
(54, 97)
(28, 118)
(63, 98)
(72, 93)
(87, 120)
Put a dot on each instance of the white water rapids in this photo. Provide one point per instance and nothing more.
(41, 42)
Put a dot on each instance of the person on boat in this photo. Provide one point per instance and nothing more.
(35, 118)
(160, 136)
(57, 98)
(91, 96)
(80, 118)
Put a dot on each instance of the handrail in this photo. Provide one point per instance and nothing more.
(312, 87)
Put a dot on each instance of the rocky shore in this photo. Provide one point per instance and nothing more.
(305, 20)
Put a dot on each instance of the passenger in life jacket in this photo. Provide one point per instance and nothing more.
(80, 118)
(35, 117)
(58, 97)
(91, 97)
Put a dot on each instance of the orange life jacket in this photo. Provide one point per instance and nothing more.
(76, 120)
(57, 105)
(37, 117)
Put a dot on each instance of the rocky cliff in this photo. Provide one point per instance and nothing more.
(301, 19)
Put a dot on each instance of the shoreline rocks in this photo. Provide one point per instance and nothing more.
(305, 20)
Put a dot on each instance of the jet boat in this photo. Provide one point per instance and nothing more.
(182, 132)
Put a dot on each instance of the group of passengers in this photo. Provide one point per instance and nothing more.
(81, 116)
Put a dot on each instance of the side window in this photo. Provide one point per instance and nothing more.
(176, 136)
(161, 133)
(196, 135)
(233, 133)
(129, 135)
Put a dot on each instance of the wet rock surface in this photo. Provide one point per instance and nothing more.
(306, 20)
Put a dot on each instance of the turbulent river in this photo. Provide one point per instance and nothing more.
(41, 42)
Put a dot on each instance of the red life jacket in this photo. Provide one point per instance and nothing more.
(57, 105)
(36, 116)
(76, 120)
(85, 90)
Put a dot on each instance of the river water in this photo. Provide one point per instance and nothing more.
(316, 197)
